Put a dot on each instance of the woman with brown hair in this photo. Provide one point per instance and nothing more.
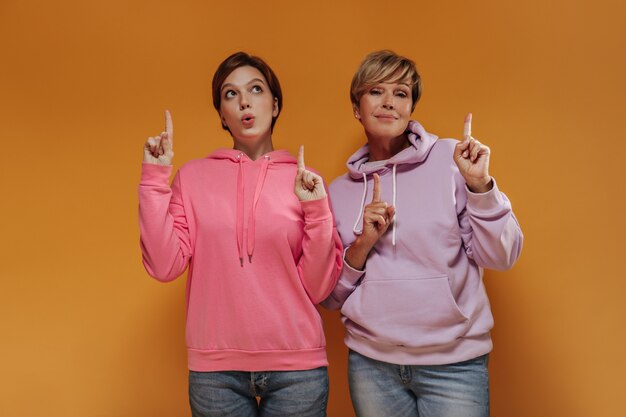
(261, 250)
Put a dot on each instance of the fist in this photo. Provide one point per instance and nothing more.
(159, 149)
(472, 159)
(308, 185)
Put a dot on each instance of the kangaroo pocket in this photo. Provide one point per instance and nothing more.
(412, 312)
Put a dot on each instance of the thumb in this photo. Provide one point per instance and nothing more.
(459, 148)
(147, 155)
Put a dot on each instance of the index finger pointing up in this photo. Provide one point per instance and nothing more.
(376, 193)
(301, 166)
(467, 130)
(169, 126)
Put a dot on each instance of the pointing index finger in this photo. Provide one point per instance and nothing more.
(376, 192)
(301, 166)
(169, 126)
(467, 130)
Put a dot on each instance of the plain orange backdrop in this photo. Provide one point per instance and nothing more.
(86, 333)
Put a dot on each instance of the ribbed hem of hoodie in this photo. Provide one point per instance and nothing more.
(485, 202)
(255, 361)
(460, 350)
(316, 210)
(154, 174)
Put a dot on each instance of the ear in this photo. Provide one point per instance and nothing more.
(223, 120)
(355, 110)
(275, 110)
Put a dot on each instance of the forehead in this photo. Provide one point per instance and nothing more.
(243, 75)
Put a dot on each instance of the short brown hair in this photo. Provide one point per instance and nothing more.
(385, 66)
(242, 59)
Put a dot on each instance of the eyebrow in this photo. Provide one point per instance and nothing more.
(386, 82)
(404, 84)
(248, 83)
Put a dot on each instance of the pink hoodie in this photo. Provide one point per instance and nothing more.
(259, 259)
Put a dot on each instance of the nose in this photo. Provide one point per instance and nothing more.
(388, 102)
(243, 102)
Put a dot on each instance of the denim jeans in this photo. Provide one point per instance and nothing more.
(381, 389)
(281, 393)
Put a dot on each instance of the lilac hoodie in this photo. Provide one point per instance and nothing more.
(421, 299)
(259, 259)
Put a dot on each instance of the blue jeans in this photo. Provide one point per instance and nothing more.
(383, 389)
(281, 393)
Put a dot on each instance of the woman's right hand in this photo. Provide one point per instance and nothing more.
(159, 149)
(377, 217)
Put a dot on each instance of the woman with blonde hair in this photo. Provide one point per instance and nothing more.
(255, 228)
(420, 218)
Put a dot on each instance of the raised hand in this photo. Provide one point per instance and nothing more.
(472, 158)
(159, 149)
(377, 216)
(308, 185)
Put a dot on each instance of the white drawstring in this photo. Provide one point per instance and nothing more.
(395, 217)
(362, 207)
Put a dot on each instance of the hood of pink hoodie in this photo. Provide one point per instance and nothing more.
(358, 169)
(240, 158)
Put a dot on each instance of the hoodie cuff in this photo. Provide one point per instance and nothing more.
(316, 210)
(349, 273)
(155, 175)
(486, 202)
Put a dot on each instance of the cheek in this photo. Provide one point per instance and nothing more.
(267, 107)
(368, 104)
(227, 115)
(406, 110)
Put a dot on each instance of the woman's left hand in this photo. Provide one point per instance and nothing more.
(309, 185)
(472, 158)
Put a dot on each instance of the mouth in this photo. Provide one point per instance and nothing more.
(385, 116)
(247, 120)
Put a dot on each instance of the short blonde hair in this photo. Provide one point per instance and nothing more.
(385, 66)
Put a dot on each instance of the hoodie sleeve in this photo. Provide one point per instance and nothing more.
(346, 284)
(165, 242)
(320, 263)
(490, 232)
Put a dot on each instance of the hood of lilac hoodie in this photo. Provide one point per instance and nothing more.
(240, 158)
(421, 142)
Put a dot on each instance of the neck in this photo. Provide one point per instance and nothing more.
(384, 148)
(254, 149)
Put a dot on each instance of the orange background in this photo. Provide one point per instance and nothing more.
(86, 333)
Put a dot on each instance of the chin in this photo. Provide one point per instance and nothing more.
(387, 132)
(253, 134)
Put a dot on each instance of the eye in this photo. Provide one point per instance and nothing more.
(401, 94)
(229, 94)
(376, 91)
(256, 89)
